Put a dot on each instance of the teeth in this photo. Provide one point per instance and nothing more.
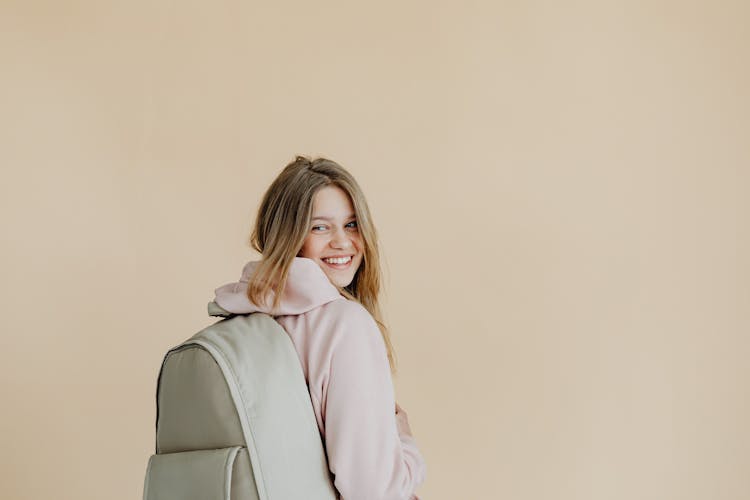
(342, 260)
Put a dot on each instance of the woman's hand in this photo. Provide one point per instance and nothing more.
(402, 422)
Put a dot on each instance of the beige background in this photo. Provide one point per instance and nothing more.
(561, 189)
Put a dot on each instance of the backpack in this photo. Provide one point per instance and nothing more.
(234, 420)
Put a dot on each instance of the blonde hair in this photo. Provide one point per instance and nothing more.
(282, 224)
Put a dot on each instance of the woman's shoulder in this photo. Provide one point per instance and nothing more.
(338, 326)
(352, 331)
(349, 318)
(344, 309)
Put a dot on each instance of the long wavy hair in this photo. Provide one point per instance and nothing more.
(282, 224)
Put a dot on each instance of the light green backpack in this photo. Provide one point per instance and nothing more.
(234, 418)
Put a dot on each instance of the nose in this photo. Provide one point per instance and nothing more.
(340, 240)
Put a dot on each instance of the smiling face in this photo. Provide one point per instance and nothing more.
(333, 234)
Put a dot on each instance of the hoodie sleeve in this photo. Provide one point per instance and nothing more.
(366, 454)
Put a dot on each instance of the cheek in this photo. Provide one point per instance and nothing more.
(360, 245)
(310, 248)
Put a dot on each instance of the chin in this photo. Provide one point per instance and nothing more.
(341, 283)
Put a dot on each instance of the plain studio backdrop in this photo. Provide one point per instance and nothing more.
(562, 191)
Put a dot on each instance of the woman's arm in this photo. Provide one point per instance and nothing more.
(368, 452)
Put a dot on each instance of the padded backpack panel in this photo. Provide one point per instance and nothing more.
(196, 411)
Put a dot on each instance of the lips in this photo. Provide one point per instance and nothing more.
(332, 265)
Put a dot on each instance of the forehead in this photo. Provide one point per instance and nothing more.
(332, 202)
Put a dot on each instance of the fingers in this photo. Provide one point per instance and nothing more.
(399, 409)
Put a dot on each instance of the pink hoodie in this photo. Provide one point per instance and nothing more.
(346, 367)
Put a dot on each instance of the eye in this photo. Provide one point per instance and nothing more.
(315, 227)
(354, 222)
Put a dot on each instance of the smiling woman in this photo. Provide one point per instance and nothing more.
(336, 244)
(320, 278)
(307, 212)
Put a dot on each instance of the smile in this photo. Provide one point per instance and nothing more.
(338, 262)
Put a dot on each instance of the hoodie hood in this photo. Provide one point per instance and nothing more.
(307, 287)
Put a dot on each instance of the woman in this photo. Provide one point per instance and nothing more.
(319, 276)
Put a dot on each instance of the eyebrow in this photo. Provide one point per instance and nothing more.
(351, 216)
